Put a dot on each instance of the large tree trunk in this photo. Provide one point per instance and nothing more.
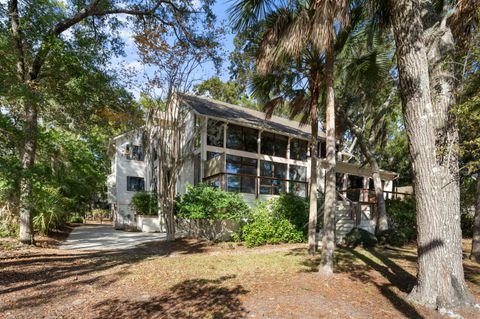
(312, 218)
(476, 227)
(328, 240)
(28, 161)
(440, 279)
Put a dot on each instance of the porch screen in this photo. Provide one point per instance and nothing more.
(277, 172)
(274, 144)
(242, 138)
(298, 149)
(215, 133)
(241, 173)
(298, 177)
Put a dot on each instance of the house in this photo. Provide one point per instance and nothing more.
(239, 150)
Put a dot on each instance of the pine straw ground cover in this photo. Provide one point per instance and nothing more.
(192, 279)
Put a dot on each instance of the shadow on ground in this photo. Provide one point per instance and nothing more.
(195, 298)
(40, 271)
(373, 264)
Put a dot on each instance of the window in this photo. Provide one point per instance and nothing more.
(298, 149)
(274, 144)
(276, 184)
(215, 133)
(134, 152)
(242, 138)
(298, 177)
(211, 155)
(322, 149)
(241, 172)
(135, 184)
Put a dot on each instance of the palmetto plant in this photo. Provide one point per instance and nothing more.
(294, 64)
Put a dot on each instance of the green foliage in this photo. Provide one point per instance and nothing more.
(76, 218)
(293, 208)
(99, 212)
(205, 202)
(264, 226)
(392, 237)
(144, 203)
(467, 221)
(403, 216)
(230, 92)
(50, 210)
(358, 236)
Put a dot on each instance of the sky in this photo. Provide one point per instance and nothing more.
(141, 72)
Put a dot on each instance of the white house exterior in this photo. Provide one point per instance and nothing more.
(239, 150)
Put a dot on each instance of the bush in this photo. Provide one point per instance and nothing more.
(292, 207)
(403, 217)
(205, 202)
(266, 225)
(50, 207)
(393, 237)
(358, 236)
(76, 218)
(145, 203)
(100, 213)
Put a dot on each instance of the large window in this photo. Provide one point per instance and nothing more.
(215, 133)
(242, 138)
(277, 173)
(135, 184)
(298, 177)
(274, 144)
(134, 152)
(298, 149)
(241, 172)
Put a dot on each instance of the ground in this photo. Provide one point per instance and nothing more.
(195, 279)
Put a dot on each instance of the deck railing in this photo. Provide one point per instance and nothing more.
(261, 185)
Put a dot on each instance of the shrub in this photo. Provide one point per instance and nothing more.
(393, 237)
(266, 225)
(100, 213)
(206, 202)
(292, 207)
(358, 236)
(403, 216)
(144, 203)
(76, 218)
(50, 208)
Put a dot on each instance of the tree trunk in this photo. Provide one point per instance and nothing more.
(476, 226)
(313, 196)
(440, 278)
(328, 240)
(382, 218)
(28, 161)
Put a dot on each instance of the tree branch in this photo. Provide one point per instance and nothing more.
(18, 38)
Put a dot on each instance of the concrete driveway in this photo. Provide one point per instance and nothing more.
(105, 237)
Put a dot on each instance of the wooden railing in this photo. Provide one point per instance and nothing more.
(271, 188)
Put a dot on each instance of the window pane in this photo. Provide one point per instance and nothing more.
(135, 184)
(267, 143)
(235, 137)
(250, 136)
(280, 170)
(233, 183)
(298, 173)
(233, 168)
(248, 184)
(298, 149)
(211, 155)
(215, 133)
(266, 168)
(322, 149)
(135, 152)
(280, 145)
(299, 189)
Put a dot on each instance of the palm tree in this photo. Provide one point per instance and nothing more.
(300, 35)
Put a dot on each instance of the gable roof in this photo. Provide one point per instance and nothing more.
(244, 116)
